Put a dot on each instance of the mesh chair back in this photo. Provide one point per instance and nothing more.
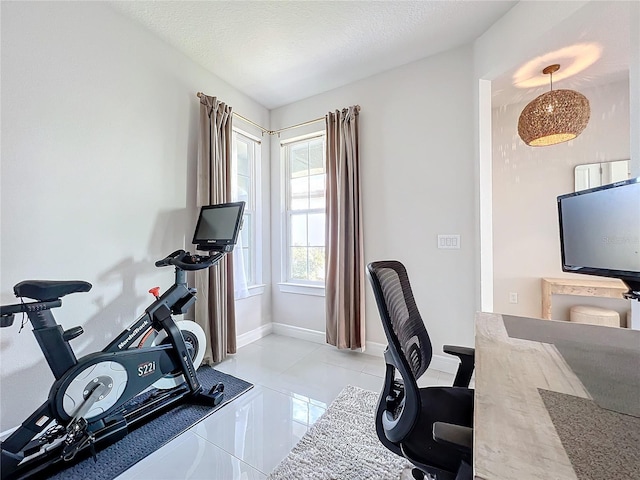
(401, 320)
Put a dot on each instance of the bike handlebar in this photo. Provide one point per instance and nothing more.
(186, 261)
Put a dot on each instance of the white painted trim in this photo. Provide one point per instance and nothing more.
(252, 291)
(299, 138)
(302, 289)
(485, 196)
(442, 363)
(445, 363)
(247, 134)
(314, 336)
(375, 349)
(253, 335)
(256, 289)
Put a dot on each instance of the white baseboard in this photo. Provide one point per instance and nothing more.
(372, 348)
(442, 363)
(375, 349)
(253, 335)
(307, 334)
(445, 363)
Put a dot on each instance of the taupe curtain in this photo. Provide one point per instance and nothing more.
(345, 283)
(215, 308)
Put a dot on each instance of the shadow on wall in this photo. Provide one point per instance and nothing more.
(171, 231)
(24, 390)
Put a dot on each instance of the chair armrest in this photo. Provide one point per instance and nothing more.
(467, 358)
(455, 436)
(459, 351)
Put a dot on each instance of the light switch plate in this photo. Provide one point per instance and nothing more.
(449, 241)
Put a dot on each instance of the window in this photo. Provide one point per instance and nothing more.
(246, 162)
(305, 181)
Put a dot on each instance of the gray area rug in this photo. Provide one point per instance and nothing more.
(343, 444)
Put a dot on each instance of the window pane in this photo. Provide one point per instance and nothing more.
(246, 232)
(299, 262)
(317, 191)
(316, 157)
(299, 230)
(305, 191)
(316, 263)
(299, 203)
(299, 193)
(316, 229)
(317, 202)
(246, 151)
(242, 151)
(299, 160)
(244, 189)
(247, 265)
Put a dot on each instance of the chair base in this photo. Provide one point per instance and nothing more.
(415, 474)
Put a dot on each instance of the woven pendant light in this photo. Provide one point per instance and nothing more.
(554, 117)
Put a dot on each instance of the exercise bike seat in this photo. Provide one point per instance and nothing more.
(49, 289)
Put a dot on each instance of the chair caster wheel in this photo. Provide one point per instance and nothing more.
(418, 474)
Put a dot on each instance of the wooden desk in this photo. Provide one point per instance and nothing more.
(514, 434)
(579, 286)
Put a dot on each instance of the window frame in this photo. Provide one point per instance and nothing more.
(288, 283)
(252, 211)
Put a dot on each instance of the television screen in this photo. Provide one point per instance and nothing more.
(218, 225)
(600, 231)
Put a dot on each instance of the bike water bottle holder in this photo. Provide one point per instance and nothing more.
(72, 333)
(6, 320)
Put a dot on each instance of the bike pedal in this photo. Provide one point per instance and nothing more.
(217, 393)
(217, 388)
(217, 398)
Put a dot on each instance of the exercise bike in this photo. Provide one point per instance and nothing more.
(155, 358)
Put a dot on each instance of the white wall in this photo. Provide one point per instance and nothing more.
(416, 154)
(496, 52)
(99, 141)
(526, 182)
(99, 148)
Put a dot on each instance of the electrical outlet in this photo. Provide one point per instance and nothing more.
(513, 297)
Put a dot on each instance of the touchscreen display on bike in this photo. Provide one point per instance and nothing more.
(218, 226)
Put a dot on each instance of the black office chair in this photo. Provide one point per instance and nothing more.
(431, 427)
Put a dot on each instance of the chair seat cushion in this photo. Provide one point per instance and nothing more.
(439, 404)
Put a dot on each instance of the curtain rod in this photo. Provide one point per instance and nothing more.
(266, 130)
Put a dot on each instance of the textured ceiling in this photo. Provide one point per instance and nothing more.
(593, 47)
(278, 52)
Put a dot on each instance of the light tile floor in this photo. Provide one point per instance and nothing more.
(295, 381)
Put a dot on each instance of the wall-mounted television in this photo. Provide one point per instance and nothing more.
(600, 232)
